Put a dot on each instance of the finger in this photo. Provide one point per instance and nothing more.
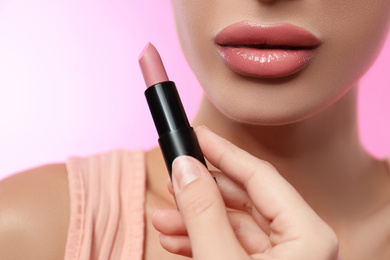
(169, 222)
(250, 237)
(270, 193)
(179, 245)
(293, 221)
(169, 186)
(234, 196)
(203, 210)
(253, 239)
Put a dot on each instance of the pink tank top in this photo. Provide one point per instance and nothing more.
(107, 197)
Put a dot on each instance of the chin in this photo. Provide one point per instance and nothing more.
(265, 112)
(267, 119)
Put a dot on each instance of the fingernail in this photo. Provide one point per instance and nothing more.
(184, 171)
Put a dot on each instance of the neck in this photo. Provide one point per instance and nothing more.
(320, 156)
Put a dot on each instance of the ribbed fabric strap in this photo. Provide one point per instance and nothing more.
(107, 197)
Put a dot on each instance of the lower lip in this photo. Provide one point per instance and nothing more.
(265, 63)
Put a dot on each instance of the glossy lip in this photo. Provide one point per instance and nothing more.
(266, 51)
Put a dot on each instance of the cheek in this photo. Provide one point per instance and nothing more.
(354, 34)
(197, 22)
(196, 25)
(191, 19)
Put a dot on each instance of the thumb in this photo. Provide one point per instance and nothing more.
(203, 210)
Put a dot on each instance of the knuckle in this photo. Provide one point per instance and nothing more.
(267, 166)
(226, 154)
(327, 243)
(333, 242)
(200, 204)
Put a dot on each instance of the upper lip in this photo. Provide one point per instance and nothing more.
(283, 35)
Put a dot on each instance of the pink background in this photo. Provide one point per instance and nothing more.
(70, 82)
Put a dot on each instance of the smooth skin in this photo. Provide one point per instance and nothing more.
(303, 125)
(34, 214)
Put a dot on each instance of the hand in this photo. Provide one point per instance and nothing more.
(270, 220)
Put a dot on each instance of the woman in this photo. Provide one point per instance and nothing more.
(298, 116)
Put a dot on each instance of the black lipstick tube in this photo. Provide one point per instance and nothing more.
(176, 136)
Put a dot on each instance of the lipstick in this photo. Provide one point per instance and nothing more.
(176, 136)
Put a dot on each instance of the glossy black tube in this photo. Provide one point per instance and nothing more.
(176, 136)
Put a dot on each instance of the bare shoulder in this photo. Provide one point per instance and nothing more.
(34, 213)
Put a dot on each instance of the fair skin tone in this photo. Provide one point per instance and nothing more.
(279, 225)
(312, 144)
